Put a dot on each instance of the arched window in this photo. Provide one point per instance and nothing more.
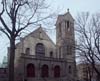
(67, 25)
(27, 51)
(44, 71)
(57, 71)
(40, 49)
(30, 70)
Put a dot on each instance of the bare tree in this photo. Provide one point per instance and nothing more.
(16, 16)
(88, 37)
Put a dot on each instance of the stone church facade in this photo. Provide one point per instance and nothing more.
(37, 58)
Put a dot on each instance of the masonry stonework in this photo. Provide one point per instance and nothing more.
(38, 50)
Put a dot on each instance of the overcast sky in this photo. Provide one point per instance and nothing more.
(75, 6)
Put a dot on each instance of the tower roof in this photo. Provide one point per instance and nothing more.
(67, 16)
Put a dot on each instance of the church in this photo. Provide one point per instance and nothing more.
(38, 58)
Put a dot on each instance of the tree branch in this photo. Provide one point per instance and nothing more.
(3, 8)
(2, 30)
(5, 26)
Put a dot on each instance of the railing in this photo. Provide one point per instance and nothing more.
(41, 57)
(47, 79)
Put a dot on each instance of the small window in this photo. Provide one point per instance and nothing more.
(5, 71)
(60, 31)
(69, 50)
(60, 25)
(27, 51)
(51, 54)
(67, 24)
(70, 69)
(59, 52)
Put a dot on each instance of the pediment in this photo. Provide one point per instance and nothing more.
(39, 33)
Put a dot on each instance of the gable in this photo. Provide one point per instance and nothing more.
(39, 33)
(68, 16)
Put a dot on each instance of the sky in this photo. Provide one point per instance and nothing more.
(75, 7)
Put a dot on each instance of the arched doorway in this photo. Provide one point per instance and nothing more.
(30, 70)
(57, 71)
(45, 71)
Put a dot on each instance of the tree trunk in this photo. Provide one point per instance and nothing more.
(11, 60)
(98, 77)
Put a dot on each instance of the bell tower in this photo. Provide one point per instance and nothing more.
(65, 41)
